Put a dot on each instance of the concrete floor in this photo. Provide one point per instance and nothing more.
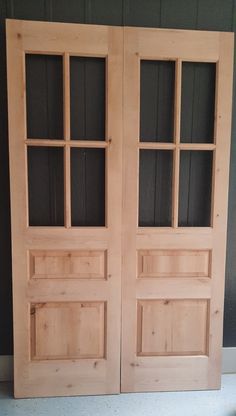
(206, 403)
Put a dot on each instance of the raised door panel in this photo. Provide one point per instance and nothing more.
(174, 263)
(90, 264)
(172, 327)
(68, 330)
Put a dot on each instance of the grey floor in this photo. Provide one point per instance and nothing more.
(206, 403)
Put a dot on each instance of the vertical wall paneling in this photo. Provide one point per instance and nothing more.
(6, 344)
(157, 100)
(88, 187)
(142, 13)
(198, 102)
(195, 188)
(104, 12)
(184, 14)
(44, 96)
(230, 286)
(72, 11)
(27, 10)
(87, 98)
(155, 188)
(46, 202)
(215, 15)
(218, 15)
(179, 16)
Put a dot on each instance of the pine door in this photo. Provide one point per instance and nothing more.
(65, 129)
(119, 157)
(177, 112)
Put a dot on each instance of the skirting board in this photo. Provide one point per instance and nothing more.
(228, 364)
(229, 360)
(6, 367)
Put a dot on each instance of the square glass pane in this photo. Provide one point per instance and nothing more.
(157, 87)
(87, 98)
(198, 102)
(155, 188)
(87, 187)
(44, 96)
(45, 186)
(195, 188)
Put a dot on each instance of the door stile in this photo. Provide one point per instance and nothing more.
(130, 213)
(220, 192)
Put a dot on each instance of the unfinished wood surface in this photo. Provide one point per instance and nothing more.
(68, 330)
(172, 327)
(68, 264)
(173, 277)
(67, 279)
(174, 263)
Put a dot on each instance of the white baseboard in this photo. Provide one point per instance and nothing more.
(6, 367)
(228, 364)
(229, 360)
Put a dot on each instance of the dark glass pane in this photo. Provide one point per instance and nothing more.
(88, 187)
(44, 96)
(157, 101)
(87, 98)
(195, 188)
(155, 188)
(46, 186)
(198, 102)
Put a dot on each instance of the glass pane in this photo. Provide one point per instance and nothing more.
(46, 186)
(44, 96)
(155, 188)
(195, 188)
(198, 102)
(87, 98)
(88, 187)
(157, 101)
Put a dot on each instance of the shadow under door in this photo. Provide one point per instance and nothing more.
(90, 273)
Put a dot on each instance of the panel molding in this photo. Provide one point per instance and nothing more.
(174, 263)
(61, 264)
(172, 327)
(68, 330)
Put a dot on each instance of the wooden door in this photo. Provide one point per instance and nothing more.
(177, 115)
(65, 131)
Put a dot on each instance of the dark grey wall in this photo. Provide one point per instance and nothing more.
(183, 14)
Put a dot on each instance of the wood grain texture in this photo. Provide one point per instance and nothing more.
(172, 327)
(68, 264)
(143, 377)
(67, 364)
(174, 263)
(68, 330)
(146, 335)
